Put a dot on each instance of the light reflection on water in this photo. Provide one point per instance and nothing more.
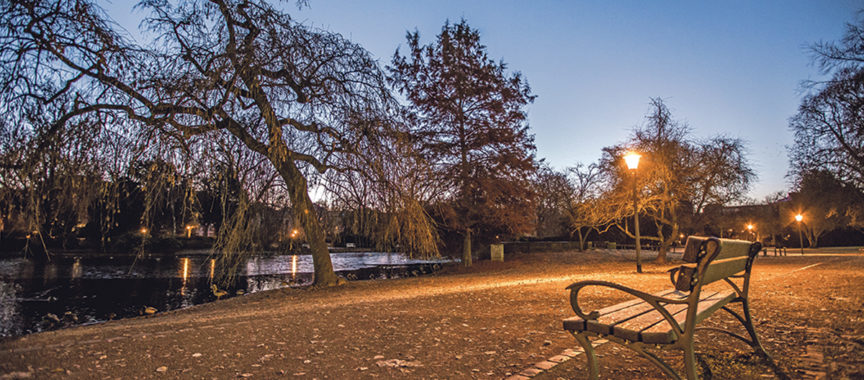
(184, 275)
(86, 290)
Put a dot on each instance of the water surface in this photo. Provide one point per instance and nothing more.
(66, 291)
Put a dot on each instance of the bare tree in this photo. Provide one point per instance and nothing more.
(553, 190)
(586, 207)
(829, 125)
(236, 69)
(574, 200)
(676, 175)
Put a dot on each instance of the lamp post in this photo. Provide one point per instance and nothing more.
(799, 218)
(632, 160)
(750, 229)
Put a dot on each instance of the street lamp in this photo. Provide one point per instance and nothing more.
(291, 242)
(750, 229)
(632, 160)
(799, 218)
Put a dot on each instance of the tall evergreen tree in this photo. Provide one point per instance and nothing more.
(472, 124)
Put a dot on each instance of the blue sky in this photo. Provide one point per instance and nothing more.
(730, 67)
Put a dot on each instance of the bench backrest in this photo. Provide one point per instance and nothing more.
(720, 259)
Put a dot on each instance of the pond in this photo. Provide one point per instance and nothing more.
(67, 291)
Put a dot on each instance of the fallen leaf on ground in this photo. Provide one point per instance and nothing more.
(398, 363)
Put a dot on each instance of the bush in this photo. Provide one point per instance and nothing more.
(168, 244)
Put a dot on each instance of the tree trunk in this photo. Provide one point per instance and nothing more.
(581, 240)
(466, 249)
(663, 249)
(305, 214)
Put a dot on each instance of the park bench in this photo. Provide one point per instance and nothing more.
(669, 319)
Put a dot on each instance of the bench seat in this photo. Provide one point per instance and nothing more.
(638, 321)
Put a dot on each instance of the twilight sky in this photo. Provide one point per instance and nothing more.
(724, 67)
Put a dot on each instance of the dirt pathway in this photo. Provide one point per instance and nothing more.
(492, 321)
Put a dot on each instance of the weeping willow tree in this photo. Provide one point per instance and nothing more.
(47, 179)
(222, 69)
(388, 202)
(83, 180)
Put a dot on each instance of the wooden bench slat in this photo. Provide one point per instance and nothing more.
(630, 329)
(578, 324)
(720, 269)
(638, 321)
(661, 332)
(668, 293)
(603, 324)
(730, 248)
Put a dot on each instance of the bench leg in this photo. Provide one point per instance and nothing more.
(593, 368)
(655, 360)
(748, 324)
(690, 362)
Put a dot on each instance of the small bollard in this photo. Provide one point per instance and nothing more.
(496, 252)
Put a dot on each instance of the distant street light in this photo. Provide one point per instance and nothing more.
(632, 160)
(291, 242)
(799, 218)
(750, 227)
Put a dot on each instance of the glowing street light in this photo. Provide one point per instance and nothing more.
(291, 242)
(800, 218)
(632, 160)
(188, 231)
(750, 228)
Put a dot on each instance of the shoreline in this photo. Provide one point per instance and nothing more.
(186, 252)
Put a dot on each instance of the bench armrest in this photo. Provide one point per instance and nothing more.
(649, 298)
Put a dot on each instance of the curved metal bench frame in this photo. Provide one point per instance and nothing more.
(685, 335)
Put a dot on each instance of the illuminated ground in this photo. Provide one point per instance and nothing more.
(492, 321)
